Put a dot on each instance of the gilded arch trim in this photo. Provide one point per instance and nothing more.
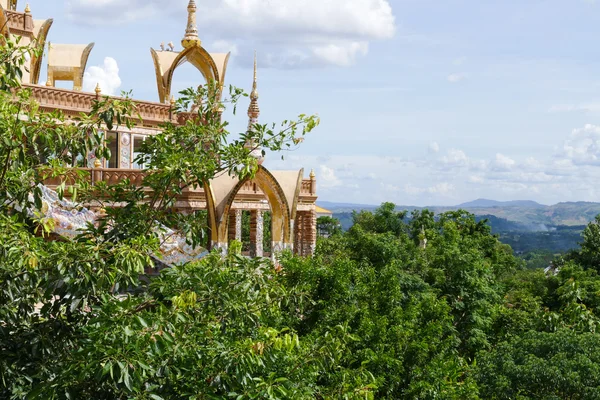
(281, 221)
(294, 208)
(211, 207)
(4, 30)
(160, 82)
(199, 58)
(40, 44)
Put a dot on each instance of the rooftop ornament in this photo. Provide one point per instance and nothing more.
(191, 33)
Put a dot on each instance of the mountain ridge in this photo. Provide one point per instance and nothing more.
(523, 211)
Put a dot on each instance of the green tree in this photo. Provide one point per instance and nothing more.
(542, 365)
(76, 321)
(328, 226)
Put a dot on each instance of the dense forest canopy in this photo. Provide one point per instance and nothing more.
(394, 308)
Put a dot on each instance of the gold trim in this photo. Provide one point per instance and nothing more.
(40, 44)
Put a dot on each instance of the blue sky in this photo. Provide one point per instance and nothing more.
(422, 102)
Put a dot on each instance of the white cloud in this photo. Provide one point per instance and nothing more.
(106, 75)
(450, 177)
(288, 34)
(503, 163)
(442, 189)
(328, 178)
(455, 158)
(583, 147)
(434, 147)
(224, 46)
(456, 77)
(531, 163)
(343, 54)
(591, 108)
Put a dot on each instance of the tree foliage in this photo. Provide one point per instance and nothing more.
(398, 307)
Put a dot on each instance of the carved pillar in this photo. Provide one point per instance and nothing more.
(256, 233)
(298, 233)
(125, 151)
(238, 225)
(231, 225)
(308, 233)
(312, 232)
(234, 229)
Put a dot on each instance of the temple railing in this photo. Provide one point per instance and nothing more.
(19, 23)
(308, 187)
(72, 103)
(113, 176)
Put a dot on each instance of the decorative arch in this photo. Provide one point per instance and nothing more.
(4, 30)
(280, 210)
(211, 207)
(40, 42)
(67, 62)
(195, 55)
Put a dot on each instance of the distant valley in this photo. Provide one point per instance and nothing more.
(525, 225)
(527, 214)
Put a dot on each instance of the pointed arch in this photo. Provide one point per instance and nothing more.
(4, 30)
(211, 208)
(166, 62)
(229, 188)
(40, 42)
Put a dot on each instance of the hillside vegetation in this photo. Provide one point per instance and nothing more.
(524, 212)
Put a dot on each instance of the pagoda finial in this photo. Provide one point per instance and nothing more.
(191, 33)
(27, 9)
(253, 113)
(312, 174)
(253, 110)
(98, 90)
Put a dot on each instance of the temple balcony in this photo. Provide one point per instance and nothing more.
(190, 198)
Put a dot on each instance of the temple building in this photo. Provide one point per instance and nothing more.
(281, 202)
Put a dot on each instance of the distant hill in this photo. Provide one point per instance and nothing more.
(485, 203)
(332, 206)
(532, 215)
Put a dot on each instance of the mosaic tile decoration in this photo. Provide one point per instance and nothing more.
(69, 219)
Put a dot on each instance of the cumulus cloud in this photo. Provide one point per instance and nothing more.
(583, 146)
(442, 189)
(289, 34)
(456, 77)
(106, 75)
(434, 147)
(503, 163)
(571, 173)
(342, 54)
(328, 178)
(455, 158)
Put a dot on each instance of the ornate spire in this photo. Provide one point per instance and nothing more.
(27, 9)
(191, 33)
(98, 89)
(253, 113)
(253, 110)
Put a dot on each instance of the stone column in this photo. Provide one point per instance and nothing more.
(312, 233)
(308, 235)
(231, 225)
(125, 151)
(298, 233)
(238, 225)
(256, 233)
